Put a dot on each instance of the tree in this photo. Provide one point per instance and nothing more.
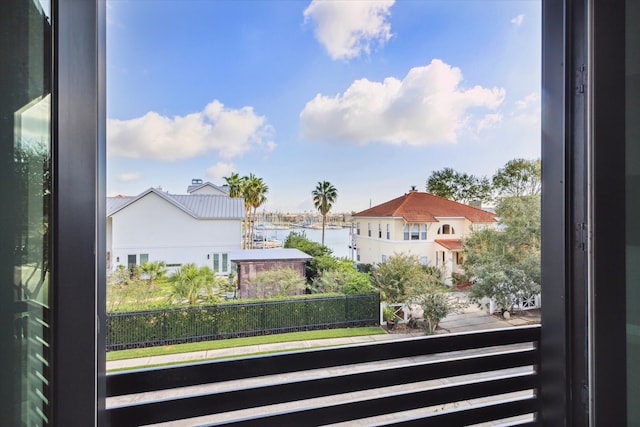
(254, 192)
(459, 187)
(153, 270)
(192, 284)
(436, 303)
(324, 196)
(322, 259)
(518, 177)
(255, 195)
(505, 263)
(402, 279)
(400, 275)
(234, 181)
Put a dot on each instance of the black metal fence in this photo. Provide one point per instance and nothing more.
(438, 380)
(190, 324)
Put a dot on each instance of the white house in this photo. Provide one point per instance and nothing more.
(201, 227)
(420, 224)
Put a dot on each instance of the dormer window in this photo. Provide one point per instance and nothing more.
(446, 229)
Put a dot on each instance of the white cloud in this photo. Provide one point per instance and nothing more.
(489, 121)
(428, 106)
(517, 21)
(129, 176)
(528, 110)
(220, 170)
(348, 28)
(533, 99)
(229, 132)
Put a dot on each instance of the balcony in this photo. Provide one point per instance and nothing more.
(488, 378)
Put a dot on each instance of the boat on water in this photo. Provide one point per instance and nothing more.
(271, 227)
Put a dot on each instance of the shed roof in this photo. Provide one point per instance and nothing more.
(417, 206)
(268, 255)
(199, 206)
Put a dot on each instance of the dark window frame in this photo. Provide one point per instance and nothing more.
(571, 391)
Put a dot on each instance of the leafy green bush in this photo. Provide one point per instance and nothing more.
(401, 275)
(345, 278)
(280, 281)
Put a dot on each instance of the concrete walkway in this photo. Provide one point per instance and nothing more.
(471, 319)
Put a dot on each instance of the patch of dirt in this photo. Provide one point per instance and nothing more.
(403, 328)
(463, 286)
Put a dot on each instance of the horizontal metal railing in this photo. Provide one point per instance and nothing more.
(456, 379)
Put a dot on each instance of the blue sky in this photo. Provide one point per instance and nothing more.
(372, 96)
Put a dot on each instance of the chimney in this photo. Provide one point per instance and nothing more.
(413, 189)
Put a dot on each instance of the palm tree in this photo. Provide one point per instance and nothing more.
(154, 270)
(234, 181)
(191, 283)
(255, 195)
(324, 196)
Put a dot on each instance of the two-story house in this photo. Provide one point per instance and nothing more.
(419, 224)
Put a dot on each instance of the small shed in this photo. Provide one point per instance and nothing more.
(250, 262)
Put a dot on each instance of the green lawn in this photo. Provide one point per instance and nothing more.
(240, 342)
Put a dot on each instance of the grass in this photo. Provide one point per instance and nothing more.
(241, 342)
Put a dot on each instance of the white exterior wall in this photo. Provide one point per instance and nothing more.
(209, 190)
(156, 227)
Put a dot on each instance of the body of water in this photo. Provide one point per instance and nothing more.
(337, 240)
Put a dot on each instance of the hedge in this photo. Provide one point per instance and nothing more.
(199, 323)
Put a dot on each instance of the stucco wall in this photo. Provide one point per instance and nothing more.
(371, 249)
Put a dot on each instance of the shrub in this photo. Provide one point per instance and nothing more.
(278, 282)
(343, 278)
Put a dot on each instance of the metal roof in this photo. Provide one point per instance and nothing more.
(195, 187)
(199, 206)
(268, 254)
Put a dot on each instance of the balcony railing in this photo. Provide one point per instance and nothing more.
(442, 380)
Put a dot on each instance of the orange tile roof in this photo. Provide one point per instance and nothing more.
(417, 206)
(450, 244)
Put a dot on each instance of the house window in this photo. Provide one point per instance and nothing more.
(423, 233)
(415, 232)
(379, 231)
(131, 260)
(384, 258)
(357, 254)
(446, 229)
(369, 229)
(459, 257)
(144, 258)
(221, 263)
(406, 232)
(358, 228)
(424, 260)
(388, 232)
